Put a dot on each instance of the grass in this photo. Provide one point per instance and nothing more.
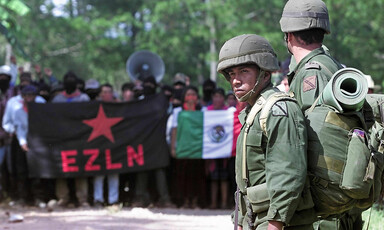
(375, 217)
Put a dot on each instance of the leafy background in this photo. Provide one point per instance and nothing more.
(95, 38)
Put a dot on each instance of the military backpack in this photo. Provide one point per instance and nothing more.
(345, 155)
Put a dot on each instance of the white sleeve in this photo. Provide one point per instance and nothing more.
(13, 74)
(21, 124)
(7, 124)
(175, 115)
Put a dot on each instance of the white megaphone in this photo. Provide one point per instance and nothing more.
(143, 64)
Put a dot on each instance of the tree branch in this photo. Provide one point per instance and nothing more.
(65, 50)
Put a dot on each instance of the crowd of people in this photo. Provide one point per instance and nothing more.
(185, 183)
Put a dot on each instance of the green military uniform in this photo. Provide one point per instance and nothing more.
(273, 186)
(308, 78)
(278, 160)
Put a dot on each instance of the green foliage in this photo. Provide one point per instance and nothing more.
(9, 10)
(355, 38)
(95, 38)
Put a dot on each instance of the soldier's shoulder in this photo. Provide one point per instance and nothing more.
(284, 107)
(280, 108)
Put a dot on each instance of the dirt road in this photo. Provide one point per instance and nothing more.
(126, 218)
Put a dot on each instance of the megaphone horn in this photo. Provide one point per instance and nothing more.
(143, 64)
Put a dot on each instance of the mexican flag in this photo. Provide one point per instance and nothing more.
(207, 134)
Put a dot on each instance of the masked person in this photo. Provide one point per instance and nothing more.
(271, 166)
(208, 87)
(69, 95)
(149, 86)
(141, 193)
(92, 88)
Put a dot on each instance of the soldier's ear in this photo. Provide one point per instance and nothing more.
(290, 36)
(267, 76)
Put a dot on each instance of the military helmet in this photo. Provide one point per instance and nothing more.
(247, 49)
(303, 15)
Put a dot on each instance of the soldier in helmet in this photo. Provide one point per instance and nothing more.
(270, 167)
(304, 23)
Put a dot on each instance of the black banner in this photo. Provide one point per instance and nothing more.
(97, 138)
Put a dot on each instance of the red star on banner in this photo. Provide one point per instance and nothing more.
(102, 125)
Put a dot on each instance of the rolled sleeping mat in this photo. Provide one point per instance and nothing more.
(346, 91)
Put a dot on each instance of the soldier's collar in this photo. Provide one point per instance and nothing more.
(307, 58)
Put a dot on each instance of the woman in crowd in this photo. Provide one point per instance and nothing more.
(189, 173)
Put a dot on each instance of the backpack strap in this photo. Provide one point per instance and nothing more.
(313, 105)
(263, 105)
(248, 123)
(278, 96)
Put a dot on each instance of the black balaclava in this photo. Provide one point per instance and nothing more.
(4, 84)
(70, 82)
(208, 87)
(149, 86)
(177, 95)
(92, 93)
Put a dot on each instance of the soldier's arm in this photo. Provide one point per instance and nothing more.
(286, 161)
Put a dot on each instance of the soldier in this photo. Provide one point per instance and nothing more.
(304, 23)
(270, 167)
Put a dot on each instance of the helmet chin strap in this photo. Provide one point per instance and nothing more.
(246, 96)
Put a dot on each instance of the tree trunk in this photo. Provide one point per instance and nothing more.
(212, 43)
(8, 54)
